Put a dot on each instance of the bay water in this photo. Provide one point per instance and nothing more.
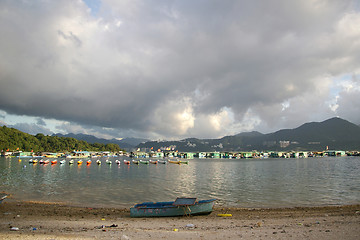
(271, 182)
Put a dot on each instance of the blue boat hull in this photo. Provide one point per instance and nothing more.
(167, 209)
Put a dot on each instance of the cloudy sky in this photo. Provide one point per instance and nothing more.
(172, 69)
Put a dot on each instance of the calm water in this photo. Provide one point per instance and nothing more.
(241, 183)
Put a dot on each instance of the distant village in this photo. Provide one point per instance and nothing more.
(144, 153)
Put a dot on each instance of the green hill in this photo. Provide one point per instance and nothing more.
(12, 139)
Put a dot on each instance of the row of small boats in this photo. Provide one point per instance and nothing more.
(46, 161)
(157, 162)
(107, 161)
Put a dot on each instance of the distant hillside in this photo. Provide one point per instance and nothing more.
(249, 134)
(336, 133)
(133, 141)
(126, 143)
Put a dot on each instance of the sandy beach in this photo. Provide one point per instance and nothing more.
(33, 220)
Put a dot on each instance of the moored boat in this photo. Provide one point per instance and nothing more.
(33, 161)
(127, 162)
(62, 161)
(144, 162)
(174, 161)
(153, 161)
(135, 162)
(88, 162)
(162, 161)
(53, 162)
(71, 161)
(179, 207)
(79, 162)
(98, 162)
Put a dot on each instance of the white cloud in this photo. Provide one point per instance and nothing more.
(173, 118)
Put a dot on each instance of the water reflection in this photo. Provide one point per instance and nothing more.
(243, 183)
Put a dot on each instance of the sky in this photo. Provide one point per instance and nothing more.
(176, 69)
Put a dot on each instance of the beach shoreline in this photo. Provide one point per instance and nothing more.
(36, 220)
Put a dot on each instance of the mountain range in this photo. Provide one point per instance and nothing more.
(125, 143)
(334, 133)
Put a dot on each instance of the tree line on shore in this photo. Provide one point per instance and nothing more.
(12, 139)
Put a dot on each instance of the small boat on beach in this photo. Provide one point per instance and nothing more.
(179, 207)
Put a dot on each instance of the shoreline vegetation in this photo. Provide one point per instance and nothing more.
(38, 220)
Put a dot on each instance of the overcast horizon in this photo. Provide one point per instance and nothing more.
(177, 69)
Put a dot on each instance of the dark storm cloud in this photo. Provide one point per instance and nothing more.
(179, 68)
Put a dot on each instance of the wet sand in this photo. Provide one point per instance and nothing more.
(32, 220)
